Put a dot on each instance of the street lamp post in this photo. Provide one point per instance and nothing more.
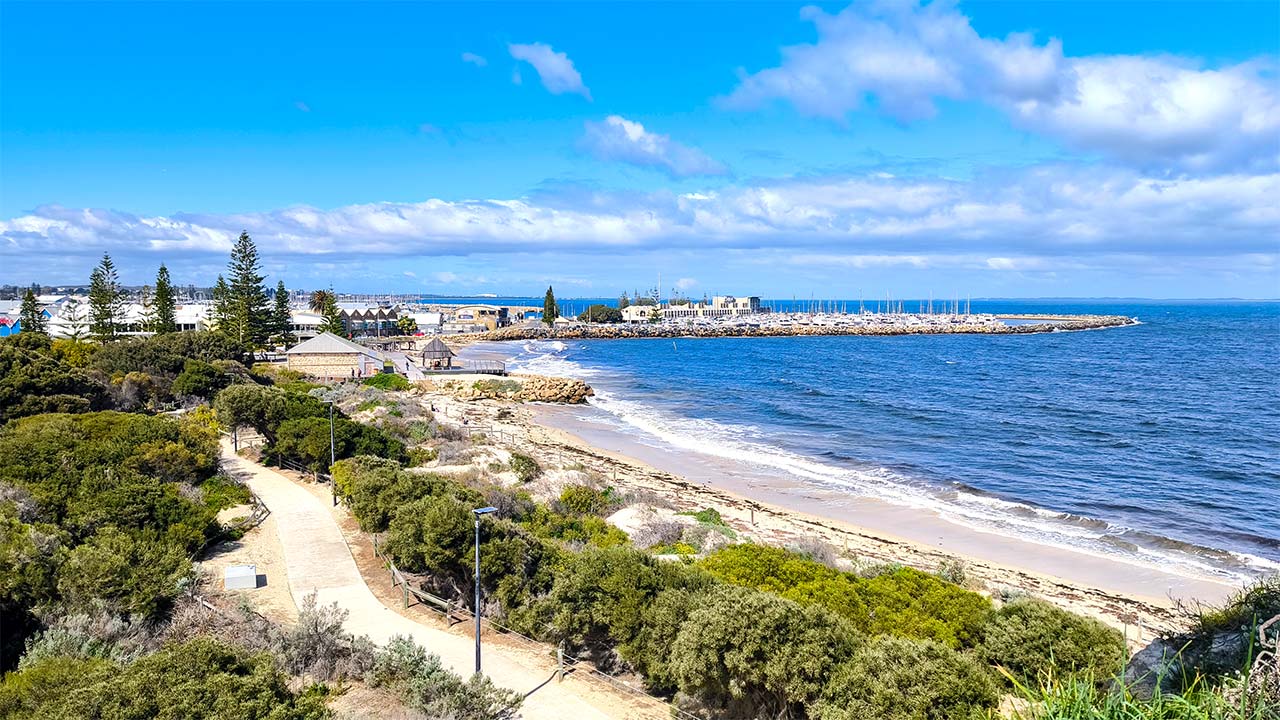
(333, 487)
(478, 512)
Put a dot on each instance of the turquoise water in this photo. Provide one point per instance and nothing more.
(1160, 440)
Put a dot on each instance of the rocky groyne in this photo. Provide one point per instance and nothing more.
(988, 325)
(515, 388)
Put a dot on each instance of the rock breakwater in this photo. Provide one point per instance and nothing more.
(837, 325)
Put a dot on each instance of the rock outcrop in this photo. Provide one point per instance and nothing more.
(519, 388)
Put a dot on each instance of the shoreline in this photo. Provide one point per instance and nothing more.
(924, 529)
(1121, 594)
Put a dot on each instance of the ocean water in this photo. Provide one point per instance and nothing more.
(1159, 442)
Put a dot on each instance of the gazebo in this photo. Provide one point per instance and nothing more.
(437, 355)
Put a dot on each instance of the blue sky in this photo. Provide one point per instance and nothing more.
(1013, 149)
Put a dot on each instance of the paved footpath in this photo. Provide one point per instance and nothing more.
(318, 559)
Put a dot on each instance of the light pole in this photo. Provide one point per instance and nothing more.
(478, 512)
(333, 487)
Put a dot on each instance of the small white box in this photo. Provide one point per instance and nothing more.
(241, 577)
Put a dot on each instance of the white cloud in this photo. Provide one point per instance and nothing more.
(474, 59)
(1156, 113)
(1023, 220)
(616, 138)
(556, 70)
(685, 283)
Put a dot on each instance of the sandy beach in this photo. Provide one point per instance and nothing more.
(1142, 601)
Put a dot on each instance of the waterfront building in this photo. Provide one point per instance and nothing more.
(367, 320)
(720, 306)
(330, 357)
(491, 317)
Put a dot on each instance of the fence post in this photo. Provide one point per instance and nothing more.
(560, 662)
(404, 593)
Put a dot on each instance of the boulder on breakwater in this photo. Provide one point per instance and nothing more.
(671, 330)
(518, 388)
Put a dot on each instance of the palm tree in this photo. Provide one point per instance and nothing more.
(318, 300)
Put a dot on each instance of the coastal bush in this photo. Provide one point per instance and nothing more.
(388, 382)
(902, 602)
(709, 518)
(434, 535)
(592, 530)
(30, 554)
(199, 379)
(111, 506)
(138, 574)
(52, 455)
(892, 678)
(649, 652)
(265, 408)
(1032, 639)
(525, 467)
(376, 488)
(744, 653)
(599, 595)
(34, 381)
(163, 355)
(425, 685)
(586, 500)
(307, 440)
(76, 353)
(201, 679)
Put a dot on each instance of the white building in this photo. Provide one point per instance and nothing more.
(721, 306)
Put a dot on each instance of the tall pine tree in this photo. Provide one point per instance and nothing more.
(30, 317)
(282, 318)
(549, 309)
(106, 300)
(163, 318)
(221, 314)
(250, 319)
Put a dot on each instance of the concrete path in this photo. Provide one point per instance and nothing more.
(318, 559)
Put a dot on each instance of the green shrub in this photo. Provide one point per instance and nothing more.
(710, 516)
(388, 382)
(201, 679)
(599, 595)
(744, 653)
(425, 685)
(376, 488)
(308, 441)
(902, 602)
(496, 388)
(33, 381)
(420, 456)
(575, 528)
(895, 679)
(679, 548)
(650, 650)
(137, 573)
(525, 467)
(221, 492)
(199, 379)
(584, 500)
(1032, 639)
